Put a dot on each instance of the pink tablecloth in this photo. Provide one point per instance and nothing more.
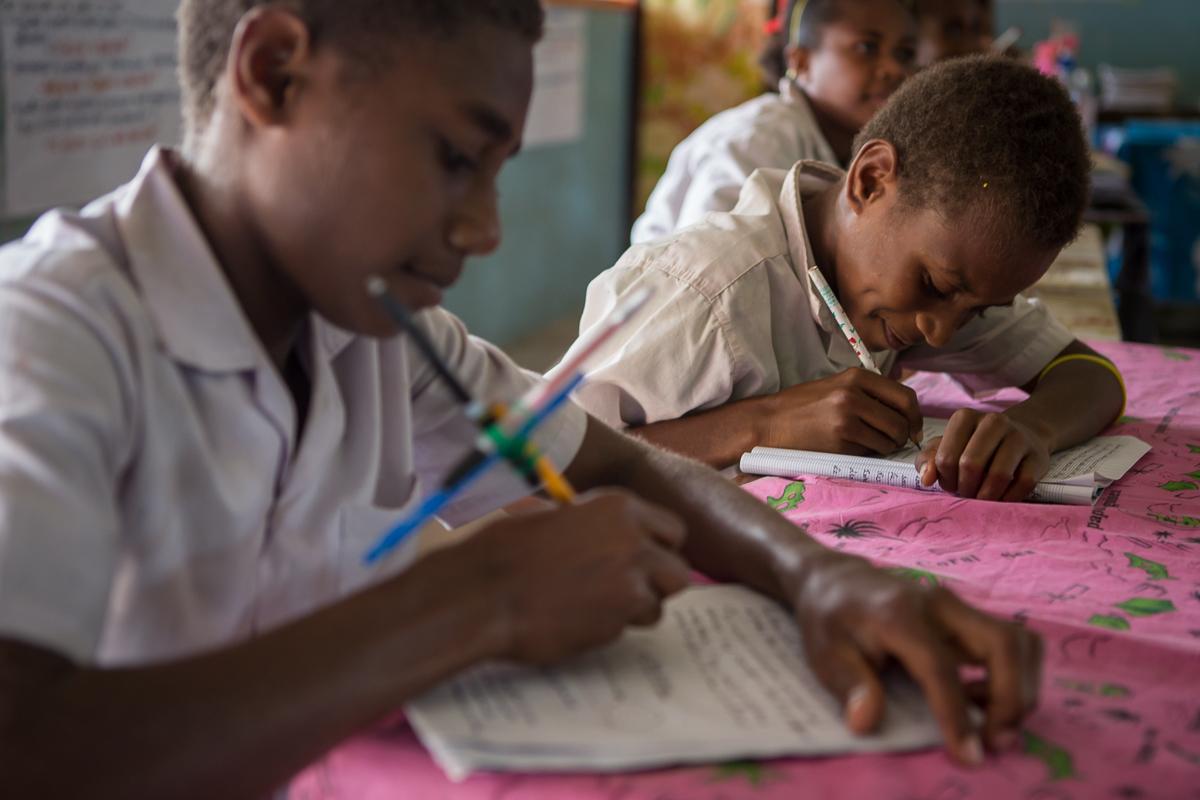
(1114, 589)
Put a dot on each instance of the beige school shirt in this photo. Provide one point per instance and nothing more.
(706, 171)
(154, 499)
(733, 315)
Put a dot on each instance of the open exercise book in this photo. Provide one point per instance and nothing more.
(721, 677)
(1076, 475)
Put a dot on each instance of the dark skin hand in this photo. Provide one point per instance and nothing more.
(990, 456)
(854, 618)
(855, 412)
(1002, 456)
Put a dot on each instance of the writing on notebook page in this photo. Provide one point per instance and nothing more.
(722, 676)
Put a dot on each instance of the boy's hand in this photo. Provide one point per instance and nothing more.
(855, 412)
(856, 618)
(573, 578)
(988, 456)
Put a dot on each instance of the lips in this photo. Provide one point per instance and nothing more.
(442, 278)
(894, 342)
(423, 288)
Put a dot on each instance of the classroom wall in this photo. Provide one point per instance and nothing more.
(1125, 33)
(564, 208)
(11, 229)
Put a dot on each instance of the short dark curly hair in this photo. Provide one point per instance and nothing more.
(986, 129)
(206, 30)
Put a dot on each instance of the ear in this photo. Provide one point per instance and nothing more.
(873, 175)
(797, 59)
(271, 49)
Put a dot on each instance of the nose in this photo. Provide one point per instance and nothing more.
(938, 326)
(475, 229)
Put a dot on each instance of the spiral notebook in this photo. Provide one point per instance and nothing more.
(1076, 476)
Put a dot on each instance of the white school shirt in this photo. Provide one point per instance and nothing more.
(733, 315)
(706, 170)
(153, 503)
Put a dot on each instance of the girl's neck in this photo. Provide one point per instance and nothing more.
(839, 136)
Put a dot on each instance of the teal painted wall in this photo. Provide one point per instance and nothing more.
(1124, 33)
(563, 207)
(12, 229)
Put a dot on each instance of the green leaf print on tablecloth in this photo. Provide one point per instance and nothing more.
(1113, 622)
(1145, 606)
(752, 772)
(790, 498)
(1057, 760)
(917, 575)
(1156, 571)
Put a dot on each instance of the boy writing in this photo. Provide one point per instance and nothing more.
(963, 190)
(205, 419)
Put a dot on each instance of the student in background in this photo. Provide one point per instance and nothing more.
(206, 420)
(843, 58)
(985, 25)
(963, 190)
(951, 28)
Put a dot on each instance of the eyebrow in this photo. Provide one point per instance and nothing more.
(494, 125)
(871, 32)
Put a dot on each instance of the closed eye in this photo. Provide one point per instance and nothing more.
(931, 288)
(454, 160)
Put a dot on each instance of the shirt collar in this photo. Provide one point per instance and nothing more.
(806, 177)
(797, 100)
(193, 307)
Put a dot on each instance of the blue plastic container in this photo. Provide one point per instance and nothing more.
(1165, 157)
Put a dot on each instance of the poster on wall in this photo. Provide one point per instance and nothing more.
(557, 109)
(88, 88)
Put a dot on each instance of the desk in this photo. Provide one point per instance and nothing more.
(1114, 589)
(1077, 291)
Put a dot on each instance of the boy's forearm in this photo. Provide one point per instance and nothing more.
(731, 536)
(240, 722)
(716, 437)
(1074, 402)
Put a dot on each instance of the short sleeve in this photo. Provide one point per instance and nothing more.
(718, 179)
(671, 359)
(1005, 346)
(706, 172)
(63, 433)
(442, 435)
